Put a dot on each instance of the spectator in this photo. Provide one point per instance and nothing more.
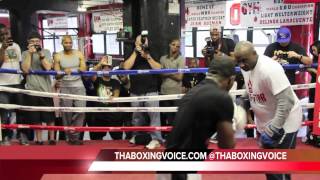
(314, 50)
(70, 60)
(171, 83)
(286, 52)
(10, 57)
(221, 46)
(37, 58)
(125, 92)
(191, 79)
(106, 87)
(144, 85)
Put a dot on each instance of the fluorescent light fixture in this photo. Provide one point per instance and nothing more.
(81, 8)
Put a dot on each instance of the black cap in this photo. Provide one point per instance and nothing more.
(34, 35)
(223, 66)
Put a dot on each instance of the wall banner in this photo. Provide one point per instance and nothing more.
(109, 20)
(257, 13)
(203, 14)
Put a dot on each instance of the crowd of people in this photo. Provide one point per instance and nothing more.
(69, 60)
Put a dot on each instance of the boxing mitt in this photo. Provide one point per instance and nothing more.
(239, 117)
(271, 136)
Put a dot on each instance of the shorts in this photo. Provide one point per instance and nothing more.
(39, 117)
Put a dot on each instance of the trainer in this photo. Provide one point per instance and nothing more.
(278, 114)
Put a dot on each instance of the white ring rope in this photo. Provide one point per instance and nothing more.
(88, 109)
(103, 109)
(125, 99)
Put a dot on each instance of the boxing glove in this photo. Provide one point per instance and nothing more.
(271, 136)
(239, 117)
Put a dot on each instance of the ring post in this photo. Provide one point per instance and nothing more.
(316, 111)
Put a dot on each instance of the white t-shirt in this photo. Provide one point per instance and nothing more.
(12, 61)
(265, 81)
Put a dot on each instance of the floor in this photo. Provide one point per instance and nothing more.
(64, 162)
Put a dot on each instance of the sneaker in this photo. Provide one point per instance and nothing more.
(52, 142)
(213, 140)
(39, 143)
(75, 142)
(6, 141)
(153, 144)
(132, 140)
(23, 140)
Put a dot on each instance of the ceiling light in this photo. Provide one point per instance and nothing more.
(81, 8)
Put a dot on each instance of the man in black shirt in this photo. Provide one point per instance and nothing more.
(191, 79)
(144, 85)
(286, 52)
(206, 109)
(221, 46)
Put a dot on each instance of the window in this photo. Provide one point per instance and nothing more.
(189, 52)
(201, 35)
(52, 37)
(262, 38)
(98, 44)
(112, 44)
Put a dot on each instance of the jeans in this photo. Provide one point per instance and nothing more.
(141, 118)
(288, 142)
(10, 98)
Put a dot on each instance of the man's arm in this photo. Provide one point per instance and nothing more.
(225, 134)
(2, 55)
(153, 63)
(128, 64)
(56, 64)
(45, 62)
(303, 58)
(285, 102)
(4, 46)
(26, 62)
(83, 66)
(176, 77)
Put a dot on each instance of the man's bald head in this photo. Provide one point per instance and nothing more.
(244, 47)
(214, 34)
(245, 55)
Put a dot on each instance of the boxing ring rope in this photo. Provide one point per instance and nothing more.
(126, 99)
(117, 100)
(136, 72)
(108, 129)
(103, 109)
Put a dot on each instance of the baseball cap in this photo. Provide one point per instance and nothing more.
(283, 35)
(108, 63)
(223, 66)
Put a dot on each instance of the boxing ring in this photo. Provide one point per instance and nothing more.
(66, 159)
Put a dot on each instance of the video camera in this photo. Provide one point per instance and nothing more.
(38, 48)
(209, 48)
(144, 37)
(283, 55)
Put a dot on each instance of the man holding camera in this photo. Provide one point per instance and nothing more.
(37, 58)
(10, 57)
(286, 52)
(217, 46)
(144, 85)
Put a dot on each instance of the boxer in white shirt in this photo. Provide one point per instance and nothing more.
(278, 114)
